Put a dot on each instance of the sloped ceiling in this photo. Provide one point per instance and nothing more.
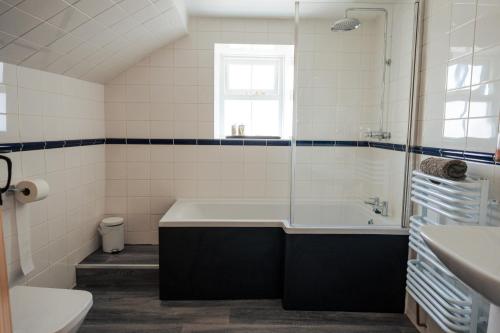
(89, 39)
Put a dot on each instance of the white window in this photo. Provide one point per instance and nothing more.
(253, 88)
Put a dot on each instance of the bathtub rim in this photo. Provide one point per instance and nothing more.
(284, 224)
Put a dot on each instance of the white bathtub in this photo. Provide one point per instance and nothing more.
(247, 249)
(337, 218)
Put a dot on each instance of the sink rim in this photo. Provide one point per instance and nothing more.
(483, 279)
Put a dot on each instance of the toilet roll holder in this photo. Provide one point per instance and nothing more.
(13, 188)
(7, 186)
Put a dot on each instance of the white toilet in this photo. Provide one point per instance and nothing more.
(47, 310)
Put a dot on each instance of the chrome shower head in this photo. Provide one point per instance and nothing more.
(346, 24)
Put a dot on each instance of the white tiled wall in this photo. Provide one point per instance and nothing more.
(460, 79)
(143, 181)
(39, 106)
(339, 80)
(169, 94)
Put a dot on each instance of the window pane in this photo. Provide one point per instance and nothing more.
(265, 118)
(263, 77)
(239, 77)
(237, 113)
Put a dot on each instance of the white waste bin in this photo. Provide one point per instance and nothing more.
(113, 234)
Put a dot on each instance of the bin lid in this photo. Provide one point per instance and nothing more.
(112, 221)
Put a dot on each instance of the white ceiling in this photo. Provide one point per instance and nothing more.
(97, 39)
(277, 8)
(89, 39)
(241, 8)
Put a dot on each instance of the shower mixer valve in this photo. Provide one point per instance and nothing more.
(378, 207)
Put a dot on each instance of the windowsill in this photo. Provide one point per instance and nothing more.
(253, 137)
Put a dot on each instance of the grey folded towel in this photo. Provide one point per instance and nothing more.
(440, 167)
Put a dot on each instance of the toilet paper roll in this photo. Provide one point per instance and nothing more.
(28, 191)
(23, 218)
(32, 190)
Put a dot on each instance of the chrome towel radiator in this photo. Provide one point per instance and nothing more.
(449, 302)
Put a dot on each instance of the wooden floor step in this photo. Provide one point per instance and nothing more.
(135, 266)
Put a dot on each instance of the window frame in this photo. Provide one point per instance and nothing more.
(277, 94)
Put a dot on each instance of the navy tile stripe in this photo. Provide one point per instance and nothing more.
(254, 143)
(363, 144)
(160, 141)
(27, 146)
(73, 143)
(185, 141)
(479, 157)
(116, 141)
(322, 143)
(452, 153)
(54, 144)
(209, 142)
(13, 146)
(231, 142)
(278, 143)
(304, 143)
(138, 141)
(40, 145)
(472, 156)
(345, 143)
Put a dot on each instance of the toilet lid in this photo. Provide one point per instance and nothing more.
(47, 310)
(112, 221)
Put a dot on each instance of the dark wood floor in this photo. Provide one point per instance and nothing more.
(139, 310)
(131, 255)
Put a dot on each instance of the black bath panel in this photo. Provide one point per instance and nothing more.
(221, 263)
(362, 273)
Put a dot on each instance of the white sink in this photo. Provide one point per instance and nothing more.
(472, 253)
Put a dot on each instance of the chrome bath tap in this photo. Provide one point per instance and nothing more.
(378, 207)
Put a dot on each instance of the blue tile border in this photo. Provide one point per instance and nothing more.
(185, 141)
(479, 157)
(71, 143)
(279, 143)
(472, 156)
(304, 143)
(261, 143)
(161, 141)
(209, 142)
(54, 144)
(322, 143)
(40, 145)
(231, 142)
(33, 146)
(116, 141)
(133, 141)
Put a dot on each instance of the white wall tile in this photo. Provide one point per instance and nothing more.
(61, 168)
